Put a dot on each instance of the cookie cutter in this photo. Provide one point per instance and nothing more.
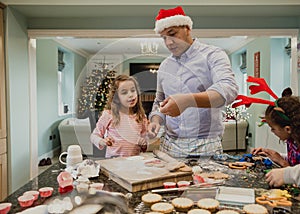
(273, 202)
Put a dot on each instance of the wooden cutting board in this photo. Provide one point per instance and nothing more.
(133, 175)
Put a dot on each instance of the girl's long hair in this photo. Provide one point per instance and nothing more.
(114, 104)
(291, 107)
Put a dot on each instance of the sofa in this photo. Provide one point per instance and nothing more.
(76, 131)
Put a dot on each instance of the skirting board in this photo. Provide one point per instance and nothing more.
(53, 153)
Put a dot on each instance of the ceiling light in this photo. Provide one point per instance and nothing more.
(149, 48)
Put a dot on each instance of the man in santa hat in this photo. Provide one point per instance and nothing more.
(193, 85)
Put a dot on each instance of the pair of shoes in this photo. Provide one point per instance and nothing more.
(48, 161)
(45, 162)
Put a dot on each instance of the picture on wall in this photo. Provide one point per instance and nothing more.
(257, 64)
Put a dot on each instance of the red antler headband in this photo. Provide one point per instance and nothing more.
(262, 86)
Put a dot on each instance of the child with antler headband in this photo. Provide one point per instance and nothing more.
(283, 116)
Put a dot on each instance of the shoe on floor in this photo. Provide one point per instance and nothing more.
(42, 162)
(48, 161)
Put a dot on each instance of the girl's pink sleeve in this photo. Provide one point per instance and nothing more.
(98, 133)
(144, 137)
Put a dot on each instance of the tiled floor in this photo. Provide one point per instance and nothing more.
(43, 168)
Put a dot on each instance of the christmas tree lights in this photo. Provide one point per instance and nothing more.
(239, 113)
(94, 91)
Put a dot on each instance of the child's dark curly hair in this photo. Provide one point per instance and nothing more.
(291, 107)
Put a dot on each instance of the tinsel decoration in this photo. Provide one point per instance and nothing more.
(95, 90)
(239, 113)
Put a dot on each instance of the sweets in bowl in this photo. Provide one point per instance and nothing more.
(183, 184)
(34, 193)
(168, 185)
(26, 200)
(46, 192)
(5, 208)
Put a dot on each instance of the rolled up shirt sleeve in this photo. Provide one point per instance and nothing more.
(222, 76)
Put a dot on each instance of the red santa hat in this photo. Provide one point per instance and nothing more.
(171, 17)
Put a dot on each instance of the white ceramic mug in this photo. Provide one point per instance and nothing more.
(74, 156)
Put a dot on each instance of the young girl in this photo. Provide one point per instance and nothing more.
(284, 120)
(122, 126)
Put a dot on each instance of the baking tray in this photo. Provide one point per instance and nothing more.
(196, 194)
(235, 195)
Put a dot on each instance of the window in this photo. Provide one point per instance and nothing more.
(65, 82)
(243, 65)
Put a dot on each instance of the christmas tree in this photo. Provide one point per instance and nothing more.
(94, 92)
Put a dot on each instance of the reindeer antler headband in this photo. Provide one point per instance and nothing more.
(254, 89)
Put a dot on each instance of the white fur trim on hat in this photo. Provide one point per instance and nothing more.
(177, 20)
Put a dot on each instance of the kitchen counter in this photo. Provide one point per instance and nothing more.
(239, 178)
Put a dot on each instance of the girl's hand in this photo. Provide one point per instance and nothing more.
(273, 155)
(276, 157)
(142, 142)
(109, 141)
(265, 152)
(275, 177)
(258, 150)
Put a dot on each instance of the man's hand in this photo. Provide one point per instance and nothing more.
(153, 129)
(176, 104)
